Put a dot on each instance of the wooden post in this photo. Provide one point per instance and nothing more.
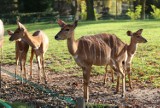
(80, 102)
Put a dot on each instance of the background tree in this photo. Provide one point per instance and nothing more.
(35, 5)
(8, 6)
(143, 2)
(90, 10)
(73, 7)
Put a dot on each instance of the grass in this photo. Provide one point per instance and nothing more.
(13, 105)
(145, 65)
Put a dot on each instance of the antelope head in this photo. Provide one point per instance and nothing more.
(137, 36)
(66, 30)
(18, 33)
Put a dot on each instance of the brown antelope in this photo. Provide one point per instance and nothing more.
(21, 48)
(136, 38)
(99, 49)
(39, 43)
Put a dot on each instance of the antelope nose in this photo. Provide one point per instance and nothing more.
(10, 39)
(56, 37)
(146, 41)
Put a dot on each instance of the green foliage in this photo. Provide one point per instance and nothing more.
(156, 12)
(83, 11)
(134, 15)
(19, 105)
(99, 106)
(97, 15)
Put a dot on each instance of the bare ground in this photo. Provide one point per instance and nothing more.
(143, 95)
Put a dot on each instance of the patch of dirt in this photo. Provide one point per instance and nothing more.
(69, 84)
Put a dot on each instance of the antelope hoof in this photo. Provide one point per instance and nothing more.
(30, 77)
(45, 82)
(22, 82)
(112, 81)
(38, 81)
(16, 78)
(115, 92)
(86, 100)
(131, 87)
(123, 96)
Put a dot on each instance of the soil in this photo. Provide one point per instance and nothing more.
(143, 94)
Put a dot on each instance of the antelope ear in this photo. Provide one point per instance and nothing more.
(75, 23)
(129, 33)
(140, 31)
(61, 23)
(21, 26)
(10, 32)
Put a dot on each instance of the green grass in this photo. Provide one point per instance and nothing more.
(145, 63)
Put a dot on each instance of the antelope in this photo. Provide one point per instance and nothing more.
(39, 43)
(1, 33)
(136, 37)
(99, 49)
(1, 44)
(21, 48)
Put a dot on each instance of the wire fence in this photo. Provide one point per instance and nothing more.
(53, 16)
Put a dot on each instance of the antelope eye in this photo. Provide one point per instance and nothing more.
(66, 29)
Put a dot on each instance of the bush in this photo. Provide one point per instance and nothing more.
(83, 11)
(97, 15)
(156, 12)
(134, 15)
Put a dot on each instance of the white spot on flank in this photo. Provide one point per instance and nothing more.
(36, 48)
(19, 39)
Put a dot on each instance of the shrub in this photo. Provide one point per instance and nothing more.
(97, 15)
(83, 11)
(156, 12)
(134, 15)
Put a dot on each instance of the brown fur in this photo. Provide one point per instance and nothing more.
(136, 38)
(99, 49)
(21, 48)
(39, 43)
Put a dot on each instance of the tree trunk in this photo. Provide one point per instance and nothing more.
(116, 10)
(90, 10)
(73, 7)
(143, 9)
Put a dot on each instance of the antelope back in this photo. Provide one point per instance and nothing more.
(42, 38)
(137, 36)
(99, 49)
(1, 33)
(1, 29)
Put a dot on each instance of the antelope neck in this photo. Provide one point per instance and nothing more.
(132, 47)
(31, 40)
(72, 45)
